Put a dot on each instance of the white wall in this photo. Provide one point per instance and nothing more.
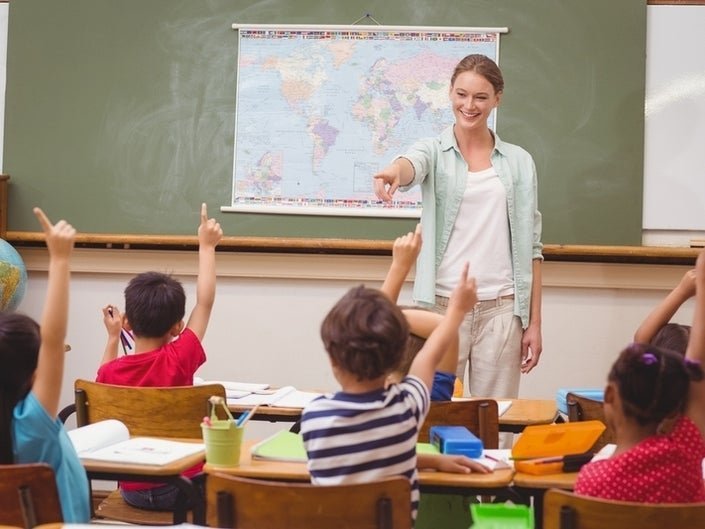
(269, 307)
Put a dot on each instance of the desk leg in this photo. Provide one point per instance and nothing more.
(189, 495)
(533, 497)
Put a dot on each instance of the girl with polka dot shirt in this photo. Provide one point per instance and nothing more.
(655, 404)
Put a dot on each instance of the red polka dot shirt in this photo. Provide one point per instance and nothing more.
(664, 468)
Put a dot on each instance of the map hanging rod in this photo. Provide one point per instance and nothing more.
(365, 17)
(340, 27)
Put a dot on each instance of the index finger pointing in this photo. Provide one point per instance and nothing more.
(43, 219)
(204, 212)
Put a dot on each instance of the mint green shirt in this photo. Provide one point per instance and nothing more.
(441, 171)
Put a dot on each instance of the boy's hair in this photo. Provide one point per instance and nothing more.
(652, 381)
(365, 333)
(673, 336)
(19, 354)
(154, 302)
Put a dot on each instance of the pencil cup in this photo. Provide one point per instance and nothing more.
(222, 437)
(223, 442)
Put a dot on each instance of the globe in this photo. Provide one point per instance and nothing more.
(13, 277)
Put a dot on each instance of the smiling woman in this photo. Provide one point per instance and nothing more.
(479, 205)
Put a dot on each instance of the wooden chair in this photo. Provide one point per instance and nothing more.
(565, 510)
(157, 412)
(582, 408)
(28, 495)
(480, 416)
(240, 503)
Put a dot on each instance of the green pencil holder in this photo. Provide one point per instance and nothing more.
(222, 439)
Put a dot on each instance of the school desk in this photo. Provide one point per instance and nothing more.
(169, 473)
(522, 413)
(495, 483)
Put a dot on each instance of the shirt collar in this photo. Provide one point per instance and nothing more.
(448, 141)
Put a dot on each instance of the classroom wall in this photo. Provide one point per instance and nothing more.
(268, 309)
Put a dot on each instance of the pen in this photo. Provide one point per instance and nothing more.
(246, 417)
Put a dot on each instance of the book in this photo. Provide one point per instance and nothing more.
(110, 441)
(282, 446)
(285, 397)
(236, 389)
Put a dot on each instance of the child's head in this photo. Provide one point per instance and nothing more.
(652, 382)
(365, 334)
(154, 303)
(19, 353)
(673, 336)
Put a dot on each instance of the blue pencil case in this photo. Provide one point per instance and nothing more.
(456, 440)
(590, 393)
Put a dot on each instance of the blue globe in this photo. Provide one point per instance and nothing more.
(13, 277)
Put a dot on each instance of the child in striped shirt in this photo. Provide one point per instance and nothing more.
(368, 430)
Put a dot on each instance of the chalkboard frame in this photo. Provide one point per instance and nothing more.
(39, 184)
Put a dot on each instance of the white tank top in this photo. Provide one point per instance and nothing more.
(481, 236)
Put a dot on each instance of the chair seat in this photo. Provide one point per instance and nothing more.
(114, 507)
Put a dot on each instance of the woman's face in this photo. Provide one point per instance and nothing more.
(472, 97)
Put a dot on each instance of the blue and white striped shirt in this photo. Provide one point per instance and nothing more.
(357, 438)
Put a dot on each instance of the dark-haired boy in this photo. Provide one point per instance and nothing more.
(368, 431)
(166, 353)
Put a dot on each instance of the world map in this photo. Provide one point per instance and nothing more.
(319, 111)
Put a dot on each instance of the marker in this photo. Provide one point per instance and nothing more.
(207, 421)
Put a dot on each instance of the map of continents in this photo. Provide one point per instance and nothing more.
(320, 111)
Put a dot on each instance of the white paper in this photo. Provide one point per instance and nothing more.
(110, 441)
(239, 387)
(502, 405)
(285, 397)
(496, 458)
(145, 451)
(98, 435)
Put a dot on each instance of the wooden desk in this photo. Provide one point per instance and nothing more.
(522, 413)
(496, 483)
(527, 412)
(169, 473)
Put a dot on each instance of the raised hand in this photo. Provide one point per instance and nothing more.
(209, 231)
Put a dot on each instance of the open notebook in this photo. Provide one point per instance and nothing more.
(110, 441)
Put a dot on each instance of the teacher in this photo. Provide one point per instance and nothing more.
(479, 205)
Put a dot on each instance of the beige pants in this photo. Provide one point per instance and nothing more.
(490, 347)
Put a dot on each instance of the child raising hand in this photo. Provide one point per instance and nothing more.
(646, 385)
(33, 367)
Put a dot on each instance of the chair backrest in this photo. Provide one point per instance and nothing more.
(240, 503)
(565, 510)
(28, 495)
(160, 412)
(581, 408)
(480, 416)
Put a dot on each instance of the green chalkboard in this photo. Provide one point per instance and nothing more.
(120, 114)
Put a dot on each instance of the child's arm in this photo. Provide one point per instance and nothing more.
(462, 299)
(113, 324)
(695, 407)
(209, 235)
(404, 253)
(50, 366)
(422, 323)
(449, 463)
(665, 310)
